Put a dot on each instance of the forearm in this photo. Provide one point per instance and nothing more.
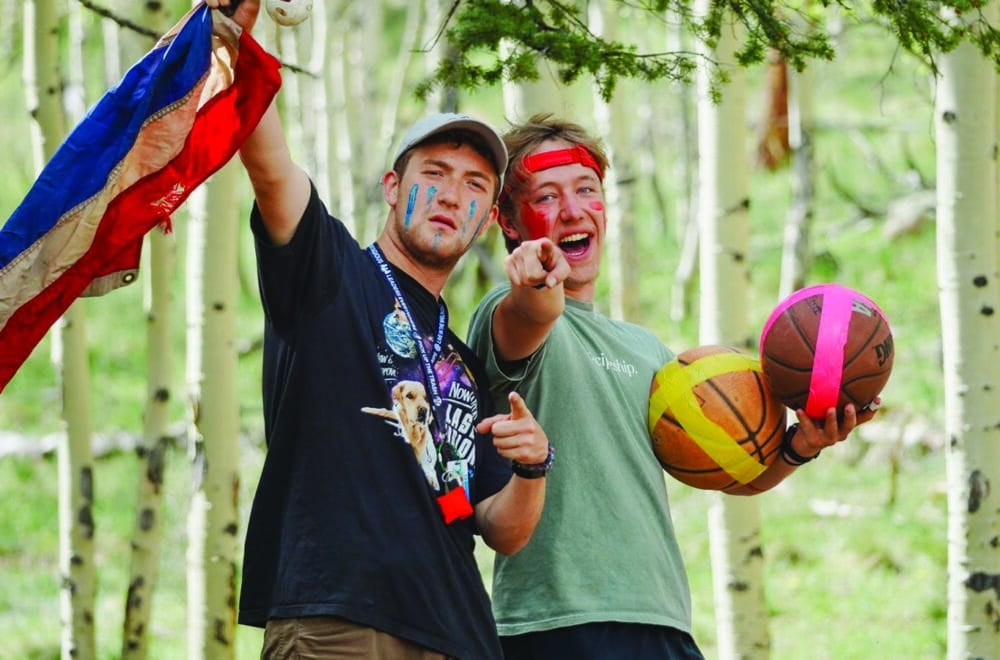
(507, 520)
(524, 318)
(280, 186)
(793, 453)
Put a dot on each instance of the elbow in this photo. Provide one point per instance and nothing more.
(511, 545)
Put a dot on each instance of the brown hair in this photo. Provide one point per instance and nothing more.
(522, 139)
(455, 137)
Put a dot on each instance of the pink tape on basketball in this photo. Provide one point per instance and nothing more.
(828, 363)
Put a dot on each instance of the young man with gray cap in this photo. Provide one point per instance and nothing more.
(383, 457)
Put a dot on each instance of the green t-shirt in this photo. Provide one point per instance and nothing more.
(605, 548)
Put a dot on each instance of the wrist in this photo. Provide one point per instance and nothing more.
(788, 453)
(534, 470)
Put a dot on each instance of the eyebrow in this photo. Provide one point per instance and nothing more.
(478, 174)
(587, 177)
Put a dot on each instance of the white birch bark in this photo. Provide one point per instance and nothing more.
(396, 87)
(616, 120)
(343, 205)
(366, 50)
(795, 240)
(211, 371)
(734, 522)
(318, 101)
(158, 303)
(43, 86)
(291, 102)
(966, 134)
(147, 533)
(431, 57)
(683, 169)
(76, 488)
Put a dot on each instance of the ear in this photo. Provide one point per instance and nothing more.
(491, 217)
(390, 188)
(507, 226)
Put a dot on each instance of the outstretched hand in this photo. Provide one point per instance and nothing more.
(819, 434)
(517, 436)
(245, 13)
(538, 263)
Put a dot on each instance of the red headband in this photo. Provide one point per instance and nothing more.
(557, 157)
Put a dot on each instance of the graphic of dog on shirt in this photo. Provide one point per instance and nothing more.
(411, 415)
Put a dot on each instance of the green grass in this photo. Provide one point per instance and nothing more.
(29, 554)
(847, 572)
(847, 575)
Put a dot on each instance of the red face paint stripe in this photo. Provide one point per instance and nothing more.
(549, 159)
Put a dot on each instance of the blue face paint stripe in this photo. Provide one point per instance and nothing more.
(430, 194)
(482, 221)
(410, 203)
(472, 217)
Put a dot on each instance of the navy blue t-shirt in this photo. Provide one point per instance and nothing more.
(346, 519)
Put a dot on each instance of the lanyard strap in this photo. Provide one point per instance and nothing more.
(453, 502)
(426, 360)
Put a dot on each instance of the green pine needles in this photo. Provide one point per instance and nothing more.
(492, 41)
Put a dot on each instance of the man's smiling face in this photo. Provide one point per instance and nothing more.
(564, 203)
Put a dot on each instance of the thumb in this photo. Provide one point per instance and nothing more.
(518, 408)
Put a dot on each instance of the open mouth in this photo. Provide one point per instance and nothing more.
(575, 245)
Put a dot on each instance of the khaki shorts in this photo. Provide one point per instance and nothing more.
(331, 637)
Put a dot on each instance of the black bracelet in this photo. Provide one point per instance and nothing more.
(534, 470)
(788, 454)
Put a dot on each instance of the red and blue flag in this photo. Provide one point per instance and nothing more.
(176, 117)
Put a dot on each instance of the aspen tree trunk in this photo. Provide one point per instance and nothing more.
(158, 303)
(432, 17)
(795, 241)
(290, 99)
(76, 488)
(318, 100)
(396, 87)
(734, 522)
(344, 205)
(683, 171)
(366, 50)
(43, 89)
(211, 368)
(147, 533)
(617, 120)
(966, 134)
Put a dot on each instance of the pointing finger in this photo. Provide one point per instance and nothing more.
(518, 408)
(546, 254)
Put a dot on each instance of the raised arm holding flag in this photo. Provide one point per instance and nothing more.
(177, 116)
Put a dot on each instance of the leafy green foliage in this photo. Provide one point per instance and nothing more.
(551, 29)
(926, 28)
(498, 40)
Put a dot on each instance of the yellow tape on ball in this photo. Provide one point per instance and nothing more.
(675, 391)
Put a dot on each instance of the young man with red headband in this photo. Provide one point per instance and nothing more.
(602, 576)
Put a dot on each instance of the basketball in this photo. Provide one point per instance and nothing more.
(826, 346)
(713, 420)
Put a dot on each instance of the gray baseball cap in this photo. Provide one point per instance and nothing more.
(446, 121)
